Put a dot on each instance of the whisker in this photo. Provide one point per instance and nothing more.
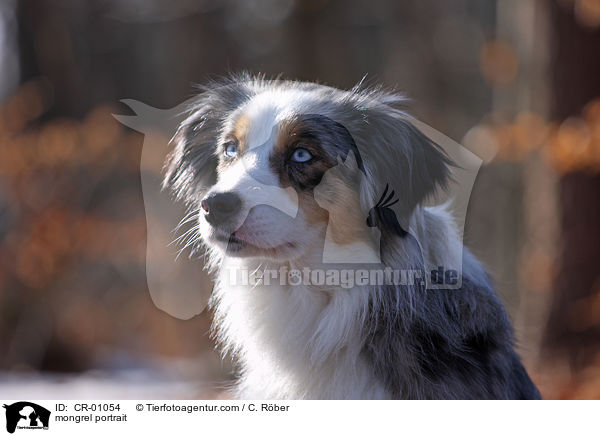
(184, 235)
(190, 216)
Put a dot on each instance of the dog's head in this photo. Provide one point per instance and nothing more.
(270, 164)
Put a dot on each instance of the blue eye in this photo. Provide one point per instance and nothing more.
(301, 155)
(231, 149)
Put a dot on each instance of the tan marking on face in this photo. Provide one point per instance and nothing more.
(284, 136)
(347, 223)
(239, 134)
(312, 212)
(342, 212)
(240, 130)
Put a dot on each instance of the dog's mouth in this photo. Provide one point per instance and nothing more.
(237, 245)
(234, 244)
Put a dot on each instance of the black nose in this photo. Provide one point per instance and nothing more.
(220, 207)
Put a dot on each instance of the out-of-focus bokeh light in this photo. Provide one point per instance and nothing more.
(571, 145)
(72, 244)
(588, 12)
(499, 62)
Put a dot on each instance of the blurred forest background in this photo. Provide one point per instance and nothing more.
(516, 81)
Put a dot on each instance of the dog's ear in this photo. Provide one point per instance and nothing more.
(398, 154)
(428, 162)
(191, 167)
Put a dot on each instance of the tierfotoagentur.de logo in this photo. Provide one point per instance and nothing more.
(24, 415)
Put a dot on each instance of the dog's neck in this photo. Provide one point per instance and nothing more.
(295, 341)
(302, 341)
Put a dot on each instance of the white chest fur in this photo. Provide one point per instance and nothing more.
(294, 341)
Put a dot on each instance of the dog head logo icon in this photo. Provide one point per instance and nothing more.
(26, 415)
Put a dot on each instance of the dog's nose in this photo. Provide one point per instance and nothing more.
(220, 207)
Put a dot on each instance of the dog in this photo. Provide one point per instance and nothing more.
(276, 173)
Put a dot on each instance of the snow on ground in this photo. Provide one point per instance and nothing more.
(167, 379)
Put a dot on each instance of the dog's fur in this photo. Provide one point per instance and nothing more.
(324, 342)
